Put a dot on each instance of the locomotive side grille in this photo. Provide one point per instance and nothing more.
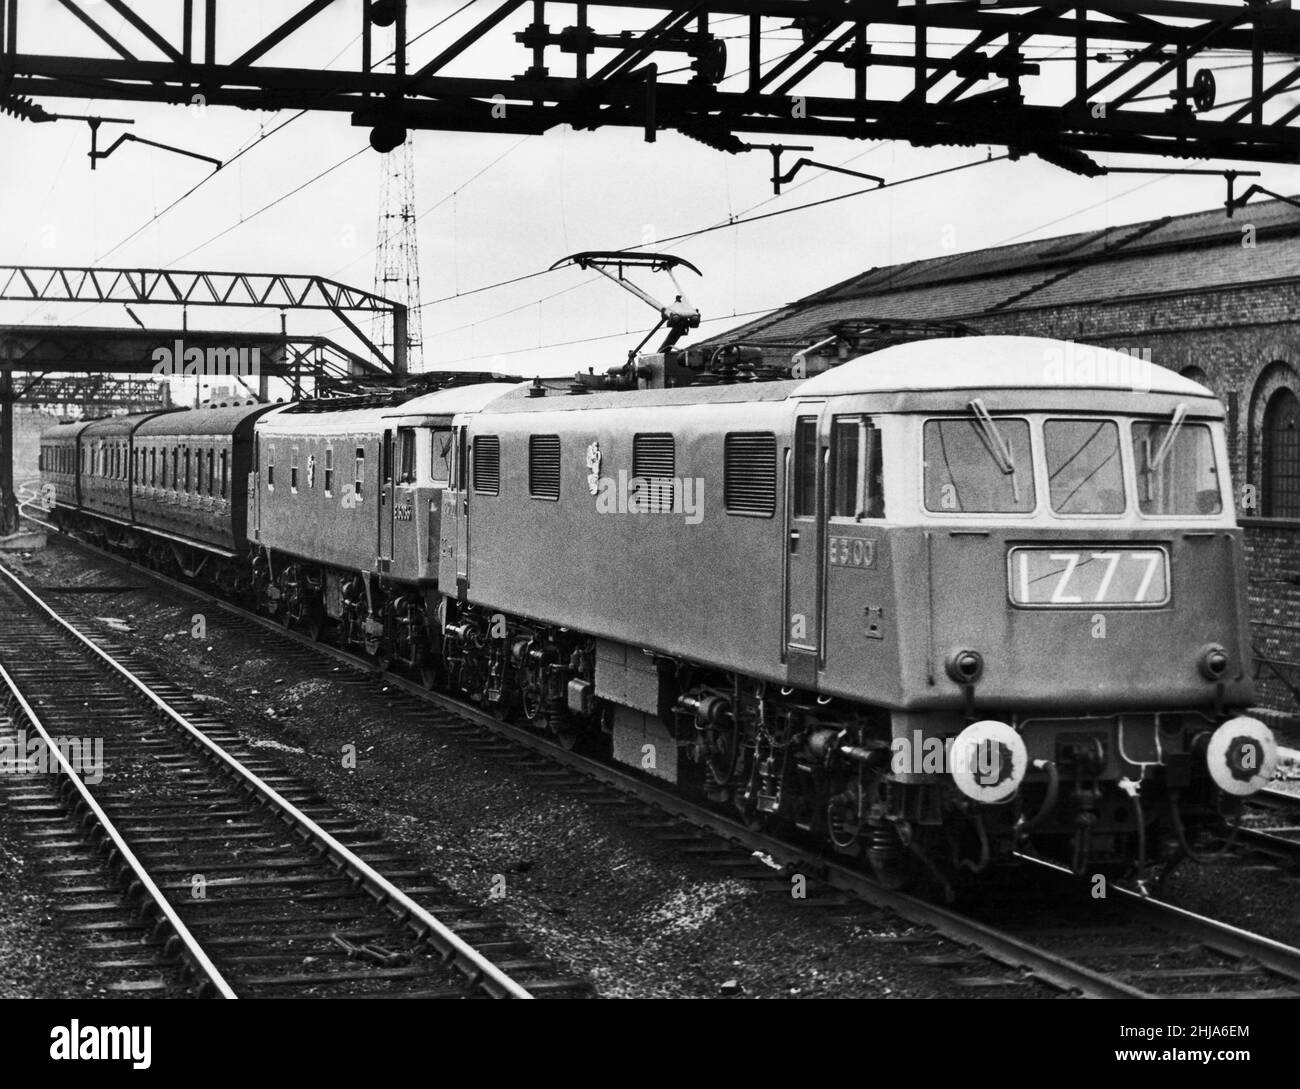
(487, 464)
(654, 459)
(654, 456)
(544, 466)
(749, 474)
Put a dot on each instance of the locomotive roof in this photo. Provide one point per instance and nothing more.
(997, 362)
(448, 402)
(519, 399)
(201, 421)
(347, 421)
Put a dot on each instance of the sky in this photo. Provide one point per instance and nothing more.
(304, 198)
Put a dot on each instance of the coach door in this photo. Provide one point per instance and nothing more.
(386, 501)
(805, 501)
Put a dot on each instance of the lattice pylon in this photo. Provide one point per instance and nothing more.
(397, 257)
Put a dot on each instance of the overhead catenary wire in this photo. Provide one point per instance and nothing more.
(271, 204)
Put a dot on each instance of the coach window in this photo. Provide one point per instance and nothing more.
(1176, 473)
(329, 472)
(153, 466)
(1281, 498)
(188, 469)
(440, 456)
(1084, 473)
(225, 475)
(311, 471)
(805, 467)
(212, 478)
(293, 469)
(978, 464)
(270, 467)
(406, 455)
(359, 477)
(198, 472)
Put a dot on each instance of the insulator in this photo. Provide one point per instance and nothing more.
(24, 108)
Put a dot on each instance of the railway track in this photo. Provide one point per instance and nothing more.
(1270, 832)
(1125, 946)
(190, 862)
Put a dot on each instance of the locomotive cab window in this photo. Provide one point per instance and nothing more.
(857, 484)
(359, 477)
(329, 471)
(440, 456)
(406, 455)
(1176, 471)
(270, 467)
(1084, 472)
(805, 467)
(978, 464)
(293, 469)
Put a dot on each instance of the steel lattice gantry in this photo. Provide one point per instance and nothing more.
(29, 353)
(44, 283)
(703, 69)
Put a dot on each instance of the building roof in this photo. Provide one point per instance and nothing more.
(1133, 260)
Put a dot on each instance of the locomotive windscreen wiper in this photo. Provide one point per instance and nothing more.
(997, 444)
(1167, 443)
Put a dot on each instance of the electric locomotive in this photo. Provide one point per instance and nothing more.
(949, 600)
(943, 602)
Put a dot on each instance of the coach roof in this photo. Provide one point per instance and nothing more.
(201, 421)
(997, 362)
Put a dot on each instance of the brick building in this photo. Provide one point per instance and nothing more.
(1217, 299)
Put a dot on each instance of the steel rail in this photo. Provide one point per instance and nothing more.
(1224, 937)
(193, 951)
(480, 971)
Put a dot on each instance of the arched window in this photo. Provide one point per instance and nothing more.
(1281, 456)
